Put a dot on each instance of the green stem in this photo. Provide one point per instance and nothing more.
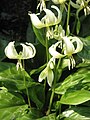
(53, 88)
(76, 18)
(50, 103)
(47, 52)
(27, 92)
(68, 17)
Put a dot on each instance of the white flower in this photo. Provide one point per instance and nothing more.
(49, 18)
(71, 46)
(28, 51)
(48, 72)
(68, 46)
(82, 4)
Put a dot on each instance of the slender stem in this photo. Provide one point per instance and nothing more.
(76, 18)
(68, 17)
(50, 103)
(47, 52)
(53, 88)
(27, 92)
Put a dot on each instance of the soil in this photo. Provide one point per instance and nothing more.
(14, 18)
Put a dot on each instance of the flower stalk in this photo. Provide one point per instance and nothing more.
(68, 17)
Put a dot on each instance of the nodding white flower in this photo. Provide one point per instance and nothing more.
(72, 45)
(82, 4)
(49, 18)
(48, 72)
(69, 46)
(27, 52)
(58, 1)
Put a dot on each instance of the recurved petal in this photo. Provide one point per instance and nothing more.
(49, 19)
(36, 21)
(59, 17)
(50, 77)
(29, 51)
(68, 46)
(43, 75)
(10, 51)
(53, 52)
(79, 44)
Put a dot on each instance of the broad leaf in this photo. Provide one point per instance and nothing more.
(76, 81)
(13, 79)
(36, 71)
(33, 114)
(85, 26)
(85, 53)
(75, 97)
(77, 113)
(37, 95)
(11, 106)
(49, 117)
(40, 34)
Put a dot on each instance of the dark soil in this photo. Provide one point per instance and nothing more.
(14, 18)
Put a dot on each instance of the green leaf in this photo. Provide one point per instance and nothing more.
(76, 81)
(77, 113)
(75, 97)
(37, 95)
(8, 100)
(40, 34)
(35, 71)
(49, 117)
(85, 26)
(12, 79)
(85, 53)
(30, 36)
(33, 114)
(11, 106)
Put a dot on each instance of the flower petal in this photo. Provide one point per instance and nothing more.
(29, 51)
(50, 19)
(50, 77)
(59, 14)
(56, 1)
(10, 51)
(43, 74)
(53, 52)
(79, 44)
(68, 46)
(35, 21)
